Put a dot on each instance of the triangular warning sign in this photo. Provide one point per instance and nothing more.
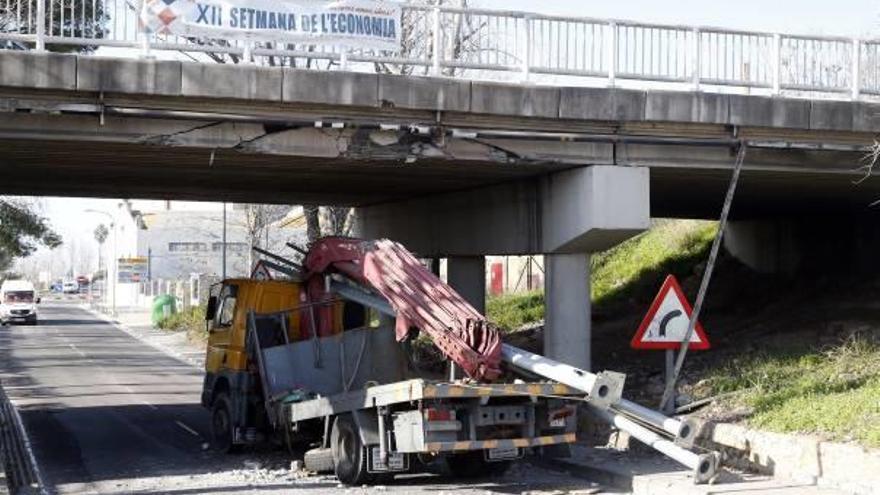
(666, 323)
(261, 271)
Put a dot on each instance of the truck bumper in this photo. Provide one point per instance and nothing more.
(511, 443)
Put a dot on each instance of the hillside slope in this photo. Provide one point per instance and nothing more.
(795, 354)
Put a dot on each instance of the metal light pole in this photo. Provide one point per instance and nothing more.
(108, 278)
(224, 241)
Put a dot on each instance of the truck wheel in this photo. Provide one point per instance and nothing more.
(221, 424)
(474, 465)
(349, 455)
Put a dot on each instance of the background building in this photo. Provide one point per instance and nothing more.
(179, 243)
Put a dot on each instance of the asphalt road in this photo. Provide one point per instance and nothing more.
(107, 413)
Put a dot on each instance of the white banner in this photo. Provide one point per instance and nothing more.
(352, 23)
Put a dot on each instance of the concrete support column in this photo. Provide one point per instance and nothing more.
(567, 331)
(467, 275)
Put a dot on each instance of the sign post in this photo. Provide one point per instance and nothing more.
(665, 327)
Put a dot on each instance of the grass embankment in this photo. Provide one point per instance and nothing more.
(834, 393)
(191, 320)
(631, 270)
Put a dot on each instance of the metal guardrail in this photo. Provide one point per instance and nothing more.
(497, 45)
(16, 462)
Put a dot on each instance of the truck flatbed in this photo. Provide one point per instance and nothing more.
(419, 389)
(416, 390)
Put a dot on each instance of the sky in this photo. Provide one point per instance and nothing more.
(825, 17)
(813, 17)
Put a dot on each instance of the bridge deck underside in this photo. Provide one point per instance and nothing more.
(59, 168)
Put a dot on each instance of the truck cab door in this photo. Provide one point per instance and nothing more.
(221, 329)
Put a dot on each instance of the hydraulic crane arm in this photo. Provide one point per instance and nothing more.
(420, 299)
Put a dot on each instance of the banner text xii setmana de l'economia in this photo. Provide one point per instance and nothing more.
(354, 23)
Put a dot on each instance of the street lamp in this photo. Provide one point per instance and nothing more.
(112, 280)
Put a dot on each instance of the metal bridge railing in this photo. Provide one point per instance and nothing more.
(491, 44)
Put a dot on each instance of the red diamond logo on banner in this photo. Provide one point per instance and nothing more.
(167, 16)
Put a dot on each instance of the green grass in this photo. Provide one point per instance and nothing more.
(192, 321)
(835, 393)
(637, 267)
(511, 311)
(632, 270)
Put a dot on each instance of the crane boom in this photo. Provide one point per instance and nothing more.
(420, 299)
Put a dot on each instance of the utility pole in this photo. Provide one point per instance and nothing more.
(224, 241)
(112, 261)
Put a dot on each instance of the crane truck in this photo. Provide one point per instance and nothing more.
(324, 360)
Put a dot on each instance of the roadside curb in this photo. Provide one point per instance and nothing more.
(170, 351)
(19, 472)
(847, 467)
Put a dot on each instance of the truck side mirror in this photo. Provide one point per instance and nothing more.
(38, 300)
(211, 309)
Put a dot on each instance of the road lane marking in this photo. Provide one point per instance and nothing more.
(187, 428)
(75, 348)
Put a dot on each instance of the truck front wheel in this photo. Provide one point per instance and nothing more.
(349, 455)
(221, 424)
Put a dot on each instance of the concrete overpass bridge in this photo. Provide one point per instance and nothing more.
(456, 166)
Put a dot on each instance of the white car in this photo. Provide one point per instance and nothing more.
(70, 287)
(18, 302)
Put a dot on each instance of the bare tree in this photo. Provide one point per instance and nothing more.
(869, 161)
(337, 220)
(257, 221)
(313, 222)
(461, 36)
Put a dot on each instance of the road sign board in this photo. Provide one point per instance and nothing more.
(261, 271)
(666, 323)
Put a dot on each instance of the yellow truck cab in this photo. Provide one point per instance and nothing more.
(232, 388)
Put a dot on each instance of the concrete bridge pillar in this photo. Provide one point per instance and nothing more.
(806, 244)
(567, 326)
(563, 215)
(467, 275)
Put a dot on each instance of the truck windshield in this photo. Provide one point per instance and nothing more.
(20, 296)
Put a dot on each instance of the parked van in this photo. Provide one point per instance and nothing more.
(18, 302)
(70, 287)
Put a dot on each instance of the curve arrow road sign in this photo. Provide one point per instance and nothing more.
(666, 322)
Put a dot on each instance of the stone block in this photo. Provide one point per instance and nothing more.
(666, 106)
(786, 456)
(330, 87)
(425, 93)
(37, 70)
(133, 76)
(866, 117)
(763, 111)
(831, 115)
(246, 82)
(602, 104)
(849, 467)
(520, 101)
